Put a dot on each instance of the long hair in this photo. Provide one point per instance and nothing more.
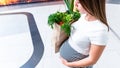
(96, 8)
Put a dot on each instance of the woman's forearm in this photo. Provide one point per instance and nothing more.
(81, 63)
(94, 55)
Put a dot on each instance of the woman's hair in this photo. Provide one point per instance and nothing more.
(95, 8)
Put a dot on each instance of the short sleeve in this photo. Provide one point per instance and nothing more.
(99, 37)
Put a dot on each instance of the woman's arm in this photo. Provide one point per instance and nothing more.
(94, 55)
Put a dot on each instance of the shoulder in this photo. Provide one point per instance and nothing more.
(98, 29)
(98, 34)
(98, 26)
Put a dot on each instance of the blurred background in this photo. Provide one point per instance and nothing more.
(25, 37)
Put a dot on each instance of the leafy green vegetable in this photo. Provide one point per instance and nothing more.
(66, 28)
(66, 18)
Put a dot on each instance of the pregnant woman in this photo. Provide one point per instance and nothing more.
(89, 35)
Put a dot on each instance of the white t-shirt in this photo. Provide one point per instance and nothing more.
(84, 33)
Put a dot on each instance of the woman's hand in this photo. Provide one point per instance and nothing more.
(65, 62)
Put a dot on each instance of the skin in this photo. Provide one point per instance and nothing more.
(95, 50)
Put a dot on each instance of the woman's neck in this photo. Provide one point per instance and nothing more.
(89, 17)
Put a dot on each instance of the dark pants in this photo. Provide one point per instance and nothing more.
(68, 53)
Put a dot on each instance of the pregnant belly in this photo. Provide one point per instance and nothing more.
(68, 53)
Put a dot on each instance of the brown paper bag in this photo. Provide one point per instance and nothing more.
(59, 36)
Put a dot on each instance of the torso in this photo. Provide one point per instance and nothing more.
(79, 39)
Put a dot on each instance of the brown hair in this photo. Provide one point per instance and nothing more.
(95, 8)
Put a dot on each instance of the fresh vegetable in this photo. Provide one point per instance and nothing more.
(64, 19)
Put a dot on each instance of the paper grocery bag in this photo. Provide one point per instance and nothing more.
(59, 36)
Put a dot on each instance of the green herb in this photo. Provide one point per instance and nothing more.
(64, 19)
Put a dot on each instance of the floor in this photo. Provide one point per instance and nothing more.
(25, 38)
